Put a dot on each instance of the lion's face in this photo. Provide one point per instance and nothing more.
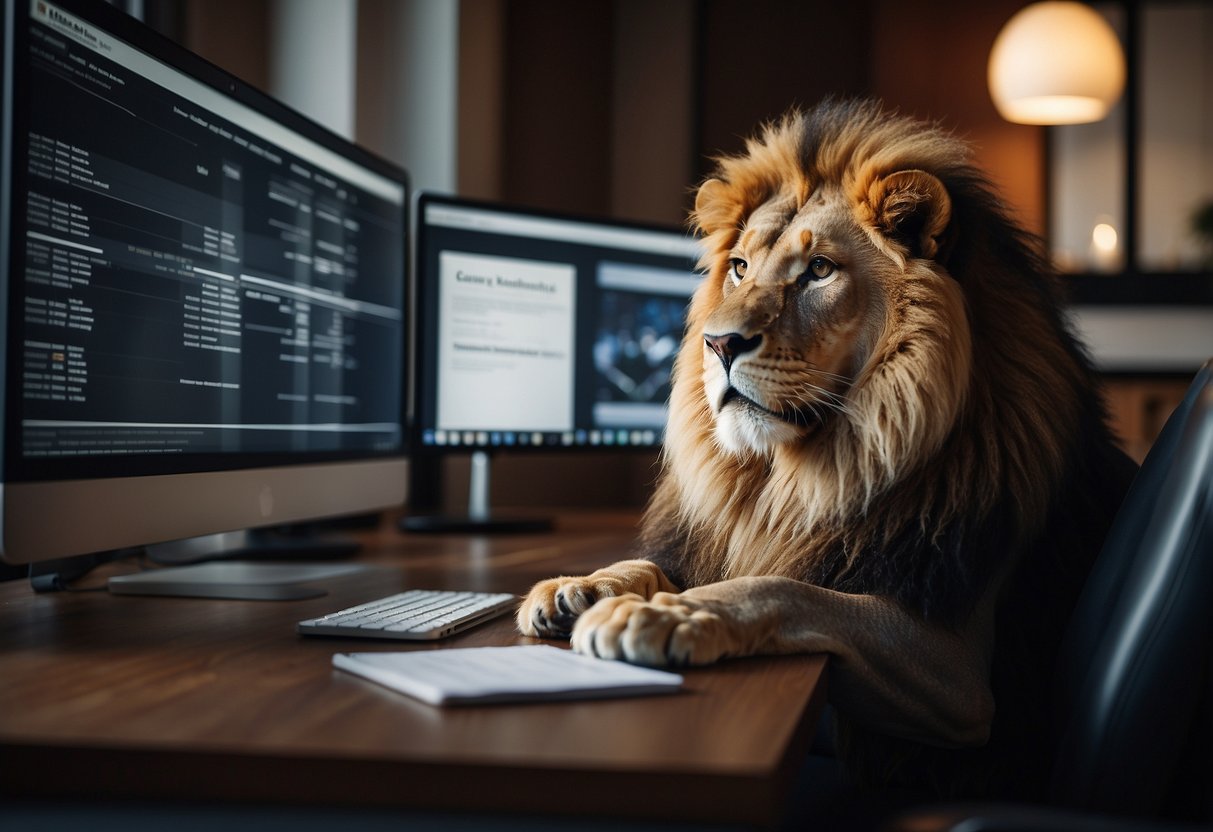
(805, 294)
(799, 311)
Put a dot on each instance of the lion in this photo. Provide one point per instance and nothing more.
(884, 443)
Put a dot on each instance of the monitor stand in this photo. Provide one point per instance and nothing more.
(236, 579)
(230, 565)
(478, 520)
(227, 565)
(273, 543)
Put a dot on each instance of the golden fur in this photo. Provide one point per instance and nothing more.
(883, 443)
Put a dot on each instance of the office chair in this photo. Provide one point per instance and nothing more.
(1134, 672)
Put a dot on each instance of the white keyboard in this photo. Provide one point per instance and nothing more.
(417, 614)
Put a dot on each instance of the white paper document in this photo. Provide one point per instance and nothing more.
(473, 675)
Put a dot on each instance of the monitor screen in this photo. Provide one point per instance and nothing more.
(204, 295)
(542, 331)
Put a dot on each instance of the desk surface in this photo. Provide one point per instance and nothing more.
(128, 696)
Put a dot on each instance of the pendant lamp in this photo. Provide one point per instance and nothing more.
(1056, 63)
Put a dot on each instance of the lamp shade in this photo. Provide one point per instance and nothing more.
(1056, 63)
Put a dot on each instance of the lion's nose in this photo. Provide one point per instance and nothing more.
(729, 346)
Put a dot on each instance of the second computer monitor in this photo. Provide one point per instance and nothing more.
(539, 331)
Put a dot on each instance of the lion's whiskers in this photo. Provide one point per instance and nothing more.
(811, 396)
(830, 376)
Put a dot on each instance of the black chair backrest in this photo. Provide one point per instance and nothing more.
(1135, 660)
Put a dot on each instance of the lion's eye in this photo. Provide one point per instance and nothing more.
(821, 268)
(738, 270)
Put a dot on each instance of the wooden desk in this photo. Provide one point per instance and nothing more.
(195, 699)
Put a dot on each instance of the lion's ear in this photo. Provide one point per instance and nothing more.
(715, 207)
(913, 208)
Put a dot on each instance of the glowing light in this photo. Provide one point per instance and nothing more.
(1104, 238)
(1056, 63)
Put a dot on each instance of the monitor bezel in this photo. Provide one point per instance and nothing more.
(17, 87)
(423, 326)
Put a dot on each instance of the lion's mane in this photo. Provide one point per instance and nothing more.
(973, 441)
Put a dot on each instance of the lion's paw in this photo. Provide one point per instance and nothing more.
(552, 606)
(667, 630)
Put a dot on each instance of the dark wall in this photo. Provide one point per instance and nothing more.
(758, 58)
(557, 108)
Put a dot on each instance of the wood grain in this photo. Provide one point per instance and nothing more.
(129, 696)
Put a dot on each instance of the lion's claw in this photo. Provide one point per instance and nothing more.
(583, 599)
(552, 607)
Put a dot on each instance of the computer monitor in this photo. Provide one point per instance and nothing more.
(204, 297)
(538, 331)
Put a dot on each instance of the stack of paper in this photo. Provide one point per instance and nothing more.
(504, 674)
